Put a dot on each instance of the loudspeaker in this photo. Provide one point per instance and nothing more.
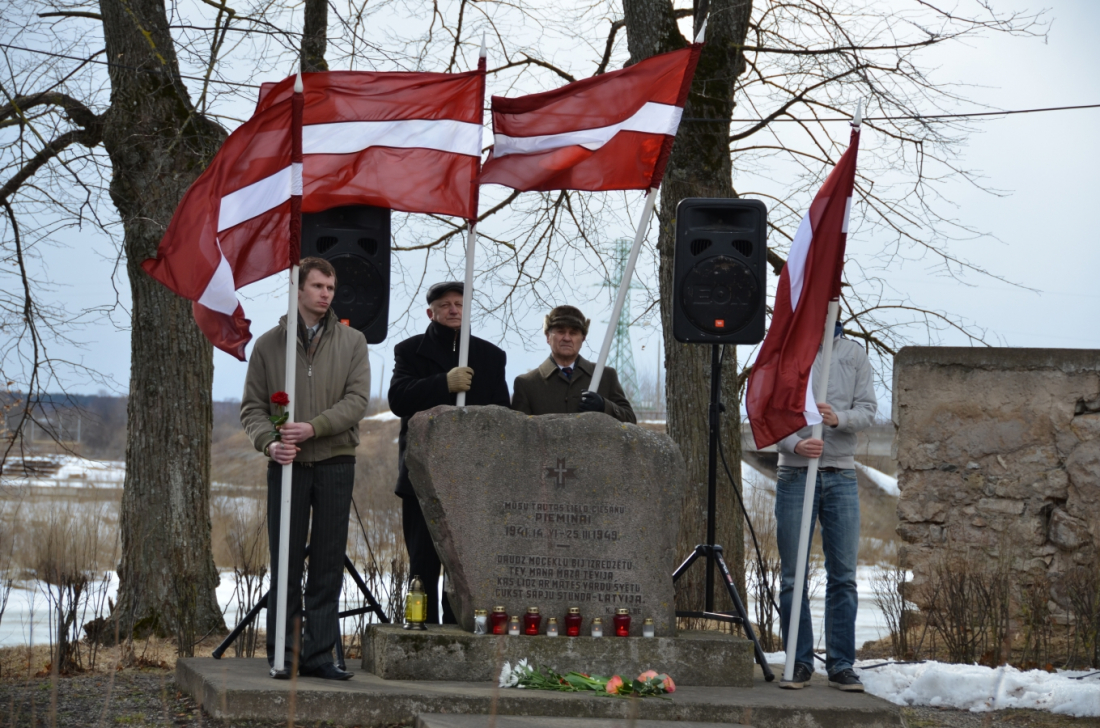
(718, 271)
(356, 240)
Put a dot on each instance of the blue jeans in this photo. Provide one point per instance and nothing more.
(836, 505)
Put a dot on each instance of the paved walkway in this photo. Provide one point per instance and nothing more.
(241, 689)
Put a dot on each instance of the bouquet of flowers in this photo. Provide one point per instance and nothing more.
(280, 400)
(648, 684)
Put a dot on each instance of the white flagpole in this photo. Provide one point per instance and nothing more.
(821, 391)
(821, 388)
(288, 470)
(620, 297)
(468, 282)
(628, 274)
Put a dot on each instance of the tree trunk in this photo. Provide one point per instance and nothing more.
(699, 167)
(315, 36)
(158, 145)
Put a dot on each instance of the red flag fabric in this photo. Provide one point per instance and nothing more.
(407, 141)
(779, 395)
(609, 132)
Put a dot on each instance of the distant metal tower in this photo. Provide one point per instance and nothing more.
(621, 356)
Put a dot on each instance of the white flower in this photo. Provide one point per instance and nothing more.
(509, 676)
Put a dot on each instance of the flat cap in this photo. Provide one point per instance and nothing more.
(437, 290)
(565, 316)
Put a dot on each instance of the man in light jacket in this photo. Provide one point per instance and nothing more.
(332, 387)
(849, 407)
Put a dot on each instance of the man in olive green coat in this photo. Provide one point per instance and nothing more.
(560, 384)
(332, 387)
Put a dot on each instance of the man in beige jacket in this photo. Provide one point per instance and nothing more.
(332, 387)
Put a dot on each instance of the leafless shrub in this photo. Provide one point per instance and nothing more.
(9, 513)
(968, 605)
(887, 583)
(247, 548)
(1082, 589)
(1036, 625)
(64, 547)
(763, 573)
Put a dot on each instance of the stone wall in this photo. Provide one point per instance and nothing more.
(998, 456)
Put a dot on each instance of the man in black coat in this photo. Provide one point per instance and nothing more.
(426, 374)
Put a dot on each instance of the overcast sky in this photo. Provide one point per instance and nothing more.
(1042, 230)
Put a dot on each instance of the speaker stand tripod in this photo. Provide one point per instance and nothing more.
(261, 603)
(710, 550)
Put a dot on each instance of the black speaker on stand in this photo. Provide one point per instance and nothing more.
(719, 287)
(356, 240)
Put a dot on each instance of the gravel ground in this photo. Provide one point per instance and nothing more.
(140, 698)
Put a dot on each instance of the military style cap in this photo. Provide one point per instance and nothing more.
(438, 289)
(566, 316)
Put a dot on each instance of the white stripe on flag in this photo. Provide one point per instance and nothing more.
(296, 178)
(220, 294)
(650, 119)
(349, 137)
(255, 199)
(847, 212)
(809, 409)
(796, 259)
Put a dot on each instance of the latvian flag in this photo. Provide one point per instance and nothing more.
(608, 132)
(407, 141)
(779, 397)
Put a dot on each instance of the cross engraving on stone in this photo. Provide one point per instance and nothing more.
(561, 472)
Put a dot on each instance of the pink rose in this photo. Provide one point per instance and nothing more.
(614, 685)
(666, 681)
(647, 675)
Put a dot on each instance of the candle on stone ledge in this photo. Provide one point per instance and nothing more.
(622, 622)
(647, 627)
(498, 621)
(532, 621)
(597, 627)
(481, 621)
(513, 625)
(552, 627)
(573, 622)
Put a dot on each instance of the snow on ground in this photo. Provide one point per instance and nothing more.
(889, 484)
(74, 472)
(975, 687)
(383, 417)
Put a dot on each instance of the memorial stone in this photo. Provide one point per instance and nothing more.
(556, 511)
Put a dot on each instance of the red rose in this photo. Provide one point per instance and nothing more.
(280, 398)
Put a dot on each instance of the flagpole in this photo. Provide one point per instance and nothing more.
(624, 287)
(821, 392)
(471, 240)
(291, 367)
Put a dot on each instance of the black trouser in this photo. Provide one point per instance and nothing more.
(423, 560)
(325, 492)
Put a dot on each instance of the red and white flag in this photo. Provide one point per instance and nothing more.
(779, 397)
(407, 141)
(609, 132)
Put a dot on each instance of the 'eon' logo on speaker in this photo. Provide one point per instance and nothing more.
(719, 271)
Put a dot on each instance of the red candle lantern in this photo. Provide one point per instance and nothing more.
(498, 621)
(573, 622)
(622, 622)
(532, 621)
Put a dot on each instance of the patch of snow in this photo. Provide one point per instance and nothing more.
(383, 417)
(887, 483)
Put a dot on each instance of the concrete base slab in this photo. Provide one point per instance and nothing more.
(240, 689)
(435, 720)
(444, 652)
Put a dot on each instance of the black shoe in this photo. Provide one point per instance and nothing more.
(799, 680)
(326, 671)
(283, 674)
(846, 680)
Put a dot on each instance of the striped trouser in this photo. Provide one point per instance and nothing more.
(325, 492)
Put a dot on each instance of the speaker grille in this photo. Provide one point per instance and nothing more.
(744, 247)
(699, 245)
(369, 246)
(325, 243)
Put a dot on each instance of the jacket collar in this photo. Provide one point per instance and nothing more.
(439, 344)
(550, 366)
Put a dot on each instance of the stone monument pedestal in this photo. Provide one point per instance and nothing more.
(448, 653)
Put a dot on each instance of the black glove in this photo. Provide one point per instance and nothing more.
(591, 402)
